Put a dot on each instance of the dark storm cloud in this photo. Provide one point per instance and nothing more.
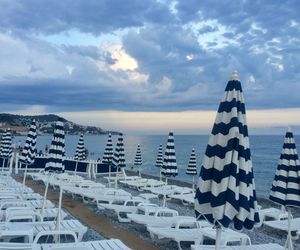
(186, 52)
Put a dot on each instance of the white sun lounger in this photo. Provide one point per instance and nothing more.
(17, 213)
(182, 231)
(186, 199)
(113, 244)
(145, 184)
(272, 213)
(65, 225)
(28, 203)
(156, 216)
(251, 247)
(124, 207)
(283, 225)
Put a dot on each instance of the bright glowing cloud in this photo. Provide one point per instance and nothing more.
(122, 61)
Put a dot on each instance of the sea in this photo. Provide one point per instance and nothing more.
(265, 151)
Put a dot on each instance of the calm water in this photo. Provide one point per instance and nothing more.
(265, 152)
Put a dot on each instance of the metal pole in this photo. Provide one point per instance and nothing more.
(218, 237)
(289, 241)
(25, 173)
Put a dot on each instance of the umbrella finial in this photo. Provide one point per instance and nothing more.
(289, 129)
(234, 75)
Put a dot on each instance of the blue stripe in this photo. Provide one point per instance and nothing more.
(233, 144)
(223, 128)
(234, 85)
(289, 157)
(288, 168)
(288, 179)
(227, 106)
(289, 145)
(285, 190)
(291, 203)
(228, 170)
(289, 135)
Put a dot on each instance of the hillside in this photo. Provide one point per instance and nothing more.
(45, 125)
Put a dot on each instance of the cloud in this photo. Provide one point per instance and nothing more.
(91, 16)
(147, 55)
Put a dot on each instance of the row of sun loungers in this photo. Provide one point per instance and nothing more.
(24, 219)
(159, 221)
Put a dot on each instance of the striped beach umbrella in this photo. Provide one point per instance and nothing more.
(119, 156)
(29, 151)
(56, 154)
(108, 152)
(226, 190)
(192, 166)
(56, 157)
(80, 150)
(6, 146)
(169, 167)
(286, 185)
(108, 155)
(138, 159)
(159, 160)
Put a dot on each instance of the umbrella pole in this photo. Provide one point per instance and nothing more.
(193, 187)
(218, 237)
(45, 195)
(165, 196)
(58, 218)
(159, 174)
(116, 180)
(25, 173)
(109, 175)
(139, 171)
(3, 164)
(76, 167)
(289, 240)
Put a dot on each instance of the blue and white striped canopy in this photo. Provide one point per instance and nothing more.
(119, 154)
(108, 152)
(138, 157)
(29, 150)
(286, 185)
(169, 168)
(56, 154)
(226, 189)
(192, 166)
(6, 146)
(80, 150)
(159, 160)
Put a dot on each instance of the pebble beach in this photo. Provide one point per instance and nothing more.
(257, 235)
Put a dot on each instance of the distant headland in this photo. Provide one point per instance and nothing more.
(45, 125)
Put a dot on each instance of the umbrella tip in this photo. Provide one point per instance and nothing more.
(234, 75)
(289, 129)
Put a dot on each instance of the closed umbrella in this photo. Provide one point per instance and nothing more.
(29, 149)
(138, 159)
(159, 160)
(169, 168)
(6, 146)
(80, 152)
(226, 191)
(108, 154)
(119, 157)
(55, 163)
(286, 185)
(192, 167)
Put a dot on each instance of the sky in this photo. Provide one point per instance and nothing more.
(151, 66)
